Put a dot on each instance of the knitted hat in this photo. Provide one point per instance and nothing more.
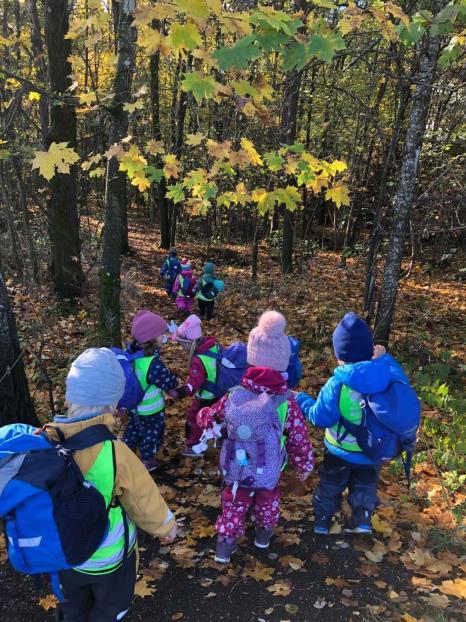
(352, 340)
(173, 251)
(268, 346)
(209, 268)
(185, 265)
(96, 378)
(147, 326)
(189, 329)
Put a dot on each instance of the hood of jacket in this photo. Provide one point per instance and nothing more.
(264, 379)
(205, 344)
(70, 427)
(370, 376)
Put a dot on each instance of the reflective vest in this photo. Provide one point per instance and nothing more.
(153, 401)
(210, 366)
(282, 411)
(350, 410)
(199, 293)
(180, 291)
(109, 555)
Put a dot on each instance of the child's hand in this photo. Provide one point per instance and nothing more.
(171, 535)
(303, 476)
(378, 351)
(173, 393)
(204, 418)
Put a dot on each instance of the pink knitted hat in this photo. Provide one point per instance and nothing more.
(189, 329)
(147, 326)
(268, 346)
(185, 265)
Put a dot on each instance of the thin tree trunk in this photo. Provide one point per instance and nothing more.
(110, 285)
(41, 68)
(15, 400)
(15, 245)
(66, 267)
(288, 136)
(26, 222)
(423, 79)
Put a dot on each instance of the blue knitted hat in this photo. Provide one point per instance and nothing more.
(352, 340)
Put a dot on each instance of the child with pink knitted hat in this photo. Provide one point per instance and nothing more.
(265, 428)
(184, 287)
(145, 429)
(202, 368)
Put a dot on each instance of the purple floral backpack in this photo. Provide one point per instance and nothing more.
(253, 454)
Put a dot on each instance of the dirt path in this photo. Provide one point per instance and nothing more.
(397, 574)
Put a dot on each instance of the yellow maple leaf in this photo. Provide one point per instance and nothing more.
(87, 98)
(381, 526)
(142, 589)
(58, 158)
(280, 588)
(259, 572)
(195, 139)
(131, 107)
(140, 181)
(171, 166)
(455, 587)
(152, 42)
(249, 148)
(408, 618)
(219, 150)
(48, 602)
(155, 147)
(33, 96)
(197, 9)
(339, 194)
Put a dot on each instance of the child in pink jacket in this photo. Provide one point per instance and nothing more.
(183, 287)
(264, 427)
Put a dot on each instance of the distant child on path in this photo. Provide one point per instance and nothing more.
(264, 426)
(170, 269)
(145, 429)
(202, 368)
(363, 369)
(183, 287)
(206, 291)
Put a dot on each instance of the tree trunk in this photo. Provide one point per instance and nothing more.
(288, 136)
(15, 245)
(62, 206)
(41, 69)
(158, 200)
(15, 401)
(110, 326)
(26, 222)
(423, 79)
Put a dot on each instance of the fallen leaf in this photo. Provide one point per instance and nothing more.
(393, 595)
(280, 588)
(259, 572)
(290, 608)
(375, 556)
(438, 601)
(48, 602)
(456, 587)
(210, 595)
(408, 618)
(376, 609)
(320, 603)
(293, 562)
(338, 582)
(177, 616)
(380, 584)
(142, 589)
(381, 526)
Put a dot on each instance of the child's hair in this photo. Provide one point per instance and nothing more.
(192, 350)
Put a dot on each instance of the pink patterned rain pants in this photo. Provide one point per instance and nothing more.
(185, 304)
(265, 510)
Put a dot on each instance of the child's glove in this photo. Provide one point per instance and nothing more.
(204, 418)
(173, 393)
(378, 351)
(171, 535)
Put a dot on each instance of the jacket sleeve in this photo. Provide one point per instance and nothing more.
(196, 378)
(218, 409)
(298, 445)
(139, 494)
(325, 411)
(163, 269)
(161, 376)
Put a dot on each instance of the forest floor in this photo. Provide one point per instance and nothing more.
(414, 565)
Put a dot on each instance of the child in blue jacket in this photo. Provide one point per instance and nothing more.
(170, 269)
(364, 369)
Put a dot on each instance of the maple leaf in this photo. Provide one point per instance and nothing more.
(238, 55)
(197, 9)
(455, 587)
(249, 148)
(33, 96)
(288, 196)
(205, 56)
(293, 562)
(185, 36)
(237, 23)
(195, 139)
(87, 98)
(397, 12)
(152, 42)
(201, 87)
(274, 161)
(339, 194)
(155, 147)
(175, 192)
(131, 107)
(259, 572)
(408, 618)
(381, 526)
(219, 150)
(97, 172)
(280, 588)
(114, 151)
(140, 181)
(142, 589)
(132, 161)
(171, 166)
(48, 602)
(57, 159)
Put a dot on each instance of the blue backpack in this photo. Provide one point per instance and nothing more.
(54, 518)
(134, 393)
(171, 268)
(231, 366)
(389, 424)
(295, 368)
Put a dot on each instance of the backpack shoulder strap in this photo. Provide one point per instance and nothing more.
(88, 437)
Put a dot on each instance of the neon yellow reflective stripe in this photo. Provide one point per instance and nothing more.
(199, 294)
(210, 366)
(180, 291)
(153, 401)
(350, 410)
(282, 411)
(111, 550)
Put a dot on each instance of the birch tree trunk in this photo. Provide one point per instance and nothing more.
(423, 79)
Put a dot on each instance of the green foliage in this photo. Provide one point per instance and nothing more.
(239, 55)
(201, 87)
